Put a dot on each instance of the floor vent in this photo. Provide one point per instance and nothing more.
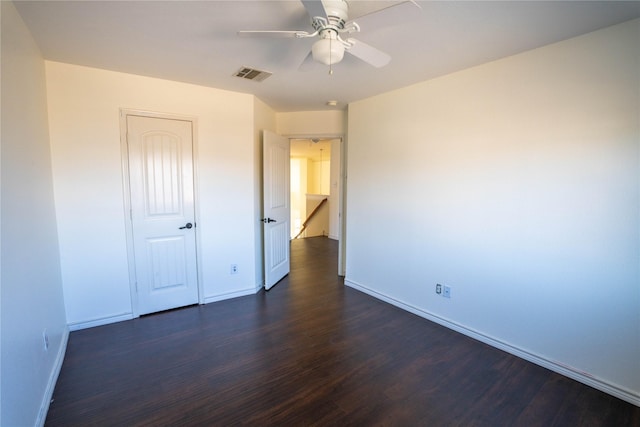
(252, 74)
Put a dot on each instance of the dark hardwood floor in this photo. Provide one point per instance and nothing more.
(310, 352)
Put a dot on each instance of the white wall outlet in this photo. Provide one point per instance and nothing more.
(234, 269)
(446, 292)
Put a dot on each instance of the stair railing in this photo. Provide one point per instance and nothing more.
(313, 212)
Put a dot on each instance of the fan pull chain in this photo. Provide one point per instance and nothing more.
(330, 56)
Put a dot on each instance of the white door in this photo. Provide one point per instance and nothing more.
(276, 158)
(162, 212)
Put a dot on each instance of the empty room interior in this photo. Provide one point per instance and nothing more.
(480, 163)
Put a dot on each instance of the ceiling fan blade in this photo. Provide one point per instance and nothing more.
(274, 34)
(309, 64)
(368, 54)
(389, 16)
(314, 8)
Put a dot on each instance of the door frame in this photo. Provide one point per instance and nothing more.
(342, 200)
(126, 193)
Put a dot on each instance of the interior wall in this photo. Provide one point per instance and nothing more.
(264, 119)
(516, 184)
(312, 123)
(298, 174)
(318, 177)
(84, 108)
(31, 297)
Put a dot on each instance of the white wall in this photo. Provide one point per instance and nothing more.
(298, 175)
(318, 175)
(312, 123)
(84, 108)
(516, 184)
(32, 299)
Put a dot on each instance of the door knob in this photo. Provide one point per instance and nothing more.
(187, 225)
(268, 220)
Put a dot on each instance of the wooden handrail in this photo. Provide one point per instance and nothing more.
(304, 224)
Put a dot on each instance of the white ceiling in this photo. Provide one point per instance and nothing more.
(197, 42)
(315, 151)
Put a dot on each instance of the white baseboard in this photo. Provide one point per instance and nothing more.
(229, 295)
(568, 371)
(53, 378)
(75, 326)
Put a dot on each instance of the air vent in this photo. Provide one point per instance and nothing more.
(252, 74)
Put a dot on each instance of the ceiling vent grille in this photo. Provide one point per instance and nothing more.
(252, 74)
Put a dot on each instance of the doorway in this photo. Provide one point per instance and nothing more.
(158, 165)
(316, 188)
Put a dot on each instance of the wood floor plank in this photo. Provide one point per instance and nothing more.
(310, 352)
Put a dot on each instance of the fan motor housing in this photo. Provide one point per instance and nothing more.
(337, 13)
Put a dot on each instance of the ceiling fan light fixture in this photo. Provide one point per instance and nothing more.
(328, 50)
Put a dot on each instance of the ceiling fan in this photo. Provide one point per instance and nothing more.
(329, 19)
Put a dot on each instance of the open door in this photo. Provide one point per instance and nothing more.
(277, 210)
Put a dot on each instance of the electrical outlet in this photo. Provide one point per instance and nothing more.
(45, 338)
(446, 292)
(234, 269)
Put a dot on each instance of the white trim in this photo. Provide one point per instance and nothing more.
(259, 286)
(196, 208)
(126, 193)
(342, 210)
(229, 295)
(124, 153)
(568, 371)
(53, 378)
(76, 326)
